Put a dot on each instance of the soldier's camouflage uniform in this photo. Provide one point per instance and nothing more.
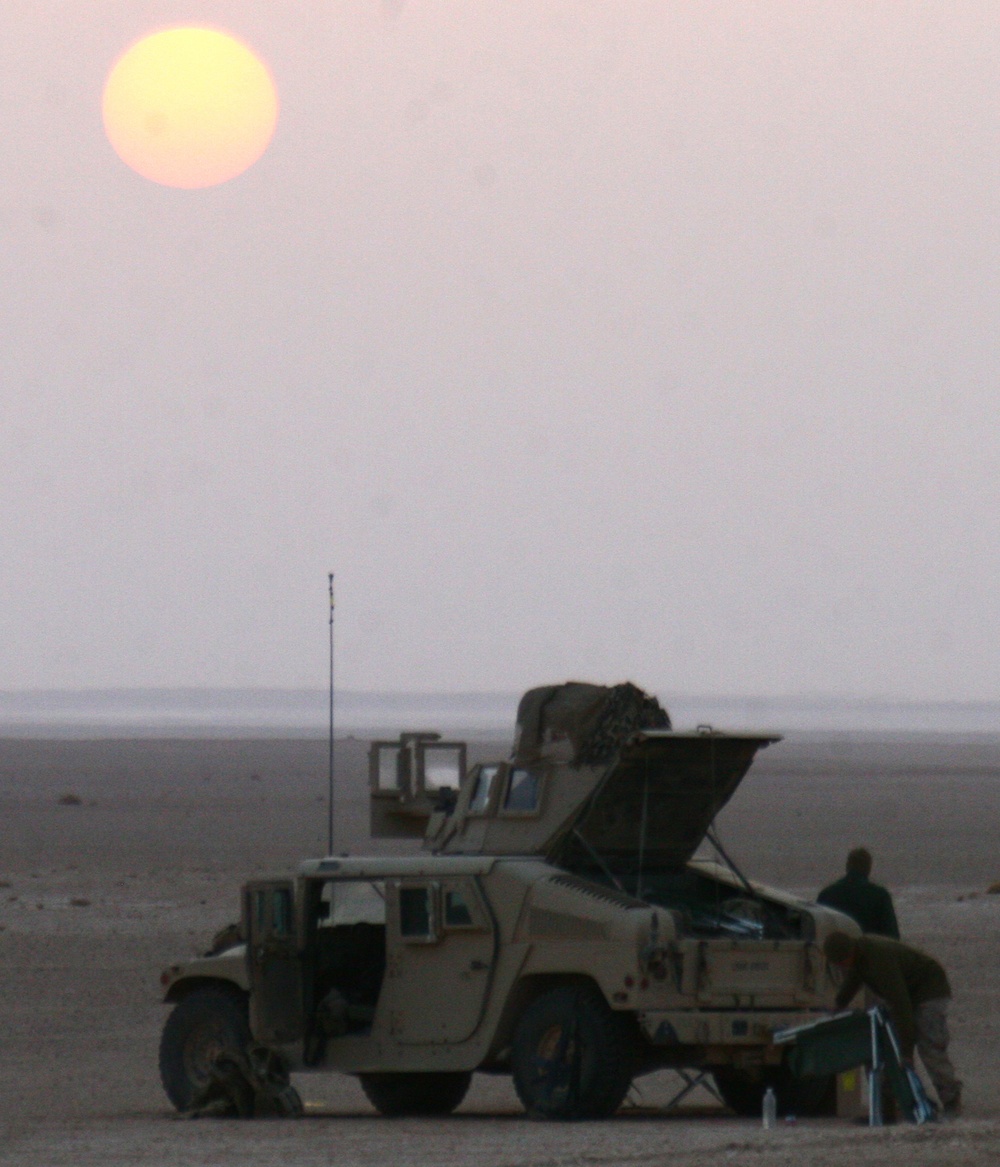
(915, 988)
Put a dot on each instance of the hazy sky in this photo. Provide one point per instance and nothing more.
(639, 340)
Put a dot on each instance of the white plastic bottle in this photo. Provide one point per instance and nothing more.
(770, 1111)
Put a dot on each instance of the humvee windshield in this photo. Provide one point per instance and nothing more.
(480, 800)
(522, 791)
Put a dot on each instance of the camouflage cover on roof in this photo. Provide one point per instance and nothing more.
(583, 724)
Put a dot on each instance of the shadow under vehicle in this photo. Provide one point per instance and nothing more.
(556, 928)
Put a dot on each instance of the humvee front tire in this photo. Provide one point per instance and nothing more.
(571, 1056)
(200, 1026)
(435, 1093)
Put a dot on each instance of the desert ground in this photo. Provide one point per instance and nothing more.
(145, 863)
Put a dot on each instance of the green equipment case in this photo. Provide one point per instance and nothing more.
(848, 1040)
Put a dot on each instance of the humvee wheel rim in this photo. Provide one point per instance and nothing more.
(557, 1064)
(203, 1045)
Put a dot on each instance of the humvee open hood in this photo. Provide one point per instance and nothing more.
(657, 798)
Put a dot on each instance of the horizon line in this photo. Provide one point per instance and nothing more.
(505, 694)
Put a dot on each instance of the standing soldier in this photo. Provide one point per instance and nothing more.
(868, 904)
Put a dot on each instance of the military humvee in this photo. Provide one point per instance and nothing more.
(557, 928)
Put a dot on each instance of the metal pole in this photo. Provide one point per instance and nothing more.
(875, 1117)
(329, 829)
(639, 895)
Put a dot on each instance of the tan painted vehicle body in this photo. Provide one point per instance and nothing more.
(541, 878)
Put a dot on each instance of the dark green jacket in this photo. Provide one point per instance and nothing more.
(865, 902)
(902, 976)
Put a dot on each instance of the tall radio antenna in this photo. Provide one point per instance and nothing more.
(329, 825)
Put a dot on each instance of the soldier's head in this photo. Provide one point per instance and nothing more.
(859, 862)
(840, 949)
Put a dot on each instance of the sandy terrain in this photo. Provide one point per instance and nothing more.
(97, 897)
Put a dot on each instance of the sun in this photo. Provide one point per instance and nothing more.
(189, 107)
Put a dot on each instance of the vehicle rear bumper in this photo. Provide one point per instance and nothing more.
(721, 1027)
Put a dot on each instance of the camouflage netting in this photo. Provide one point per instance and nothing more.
(250, 1083)
(584, 724)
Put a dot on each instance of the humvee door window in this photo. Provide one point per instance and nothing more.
(480, 799)
(456, 911)
(522, 791)
(281, 912)
(415, 913)
(260, 912)
(442, 767)
(388, 767)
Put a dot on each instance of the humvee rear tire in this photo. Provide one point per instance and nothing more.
(743, 1092)
(415, 1094)
(200, 1026)
(571, 1056)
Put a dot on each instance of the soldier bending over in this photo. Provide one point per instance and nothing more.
(915, 988)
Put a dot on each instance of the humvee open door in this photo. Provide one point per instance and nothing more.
(269, 925)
